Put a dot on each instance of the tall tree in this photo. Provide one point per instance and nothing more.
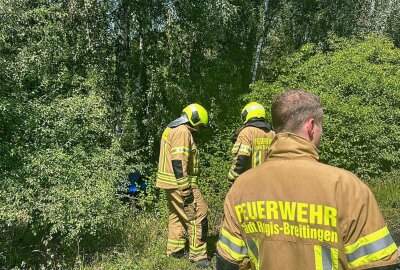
(122, 56)
(261, 41)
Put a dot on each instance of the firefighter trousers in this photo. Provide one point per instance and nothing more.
(179, 226)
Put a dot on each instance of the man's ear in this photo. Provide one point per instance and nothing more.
(310, 128)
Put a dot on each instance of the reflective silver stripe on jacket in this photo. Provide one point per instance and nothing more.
(235, 248)
(370, 248)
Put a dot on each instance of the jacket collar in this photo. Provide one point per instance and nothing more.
(253, 122)
(257, 122)
(291, 146)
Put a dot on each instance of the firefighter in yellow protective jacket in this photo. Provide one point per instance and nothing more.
(251, 142)
(293, 212)
(177, 175)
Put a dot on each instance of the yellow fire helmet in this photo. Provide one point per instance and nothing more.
(196, 114)
(252, 110)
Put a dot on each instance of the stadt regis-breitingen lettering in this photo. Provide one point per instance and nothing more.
(262, 144)
(288, 218)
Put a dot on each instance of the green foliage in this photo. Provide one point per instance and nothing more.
(74, 121)
(186, 52)
(71, 70)
(358, 82)
(215, 160)
(65, 194)
(60, 163)
(292, 24)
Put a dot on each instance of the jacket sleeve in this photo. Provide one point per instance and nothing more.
(367, 240)
(241, 152)
(232, 253)
(180, 150)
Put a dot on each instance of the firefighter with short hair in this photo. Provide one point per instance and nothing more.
(293, 212)
(251, 142)
(177, 175)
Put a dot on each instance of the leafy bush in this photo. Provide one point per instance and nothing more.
(63, 199)
(215, 159)
(358, 82)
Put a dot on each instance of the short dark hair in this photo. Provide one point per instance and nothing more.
(293, 107)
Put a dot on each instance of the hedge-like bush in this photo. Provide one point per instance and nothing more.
(62, 200)
(359, 84)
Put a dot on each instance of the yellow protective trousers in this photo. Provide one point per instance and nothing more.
(179, 227)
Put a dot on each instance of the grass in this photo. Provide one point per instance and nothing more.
(144, 248)
(144, 243)
(387, 194)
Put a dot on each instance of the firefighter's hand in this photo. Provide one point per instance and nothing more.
(190, 211)
(189, 205)
(187, 197)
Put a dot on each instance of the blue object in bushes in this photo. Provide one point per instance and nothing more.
(135, 184)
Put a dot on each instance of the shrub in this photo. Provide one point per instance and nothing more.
(358, 82)
(62, 201)
(215, 159)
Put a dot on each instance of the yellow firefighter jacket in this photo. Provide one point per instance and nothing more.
(178, 162)
(250, 148)
(293, 212)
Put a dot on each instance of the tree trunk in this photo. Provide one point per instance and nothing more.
(140, 97)
(388, 10)
(142, 91)
(122, 53)
(260, 44)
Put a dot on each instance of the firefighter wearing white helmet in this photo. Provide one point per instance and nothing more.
(177, 175)
(251, 142)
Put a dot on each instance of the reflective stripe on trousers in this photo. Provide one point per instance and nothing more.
(178, 224)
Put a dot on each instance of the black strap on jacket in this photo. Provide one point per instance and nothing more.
(177, 166)
(253, 122)
(242, 164)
